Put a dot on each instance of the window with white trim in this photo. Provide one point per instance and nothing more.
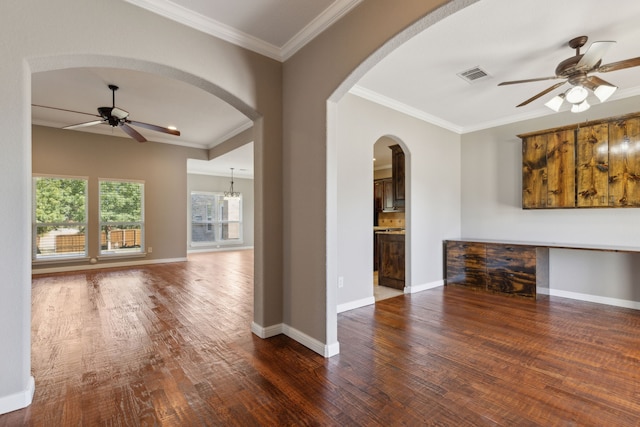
(215, 219)
(121, 217)
(59, 218)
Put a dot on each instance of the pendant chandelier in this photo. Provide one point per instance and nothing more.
(231, 193)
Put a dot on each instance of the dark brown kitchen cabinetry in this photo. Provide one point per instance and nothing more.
(391, 259)
(397, 167)
(466, 264)
(383, 195)
(497, 267)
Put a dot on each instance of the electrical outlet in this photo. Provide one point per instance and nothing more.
(149, 249)
(340, 281)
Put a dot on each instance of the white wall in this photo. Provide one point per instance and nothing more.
(197, 182)
(432, 157)
(491, 209)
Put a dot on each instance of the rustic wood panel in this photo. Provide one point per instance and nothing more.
(624, 163)
(561, 169)
(465, 264)
(170, 345)
(392, 259)
(593, 165)
(534, 172)
(511, 269)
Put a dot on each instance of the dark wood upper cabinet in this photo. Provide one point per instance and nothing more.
(593, 164)
(397, 167)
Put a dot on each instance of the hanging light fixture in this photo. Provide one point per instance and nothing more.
(231, 193)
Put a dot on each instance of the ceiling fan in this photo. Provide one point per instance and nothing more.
(116, 117)
(577, 71)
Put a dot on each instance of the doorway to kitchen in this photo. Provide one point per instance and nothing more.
(388, 219)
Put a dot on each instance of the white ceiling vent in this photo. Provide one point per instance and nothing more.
(473, 74)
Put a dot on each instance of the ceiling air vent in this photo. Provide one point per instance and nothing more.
(472, 75)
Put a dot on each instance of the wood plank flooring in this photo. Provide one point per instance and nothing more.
(170, 345)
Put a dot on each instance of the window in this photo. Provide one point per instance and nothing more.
(215, 219)
(59, 218)
(121, 217)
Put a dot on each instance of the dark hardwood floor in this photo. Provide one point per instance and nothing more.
(170, 345)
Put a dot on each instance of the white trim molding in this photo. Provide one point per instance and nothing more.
(425, 286)
(19, 400)
(617, 302)
(208, 25)
(326, 350)
(105, 265)
(352, 305)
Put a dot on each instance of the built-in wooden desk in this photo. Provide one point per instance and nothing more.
(508, 267)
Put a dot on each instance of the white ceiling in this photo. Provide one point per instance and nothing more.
(509, 40)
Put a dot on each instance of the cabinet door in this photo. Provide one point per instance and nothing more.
(387, 190)
(511, 269)
(391, 261)
(378, 196)
(624, 163)
(593, 165)
(397, 166)
(465, 264)
(561, 177)
(534, 172)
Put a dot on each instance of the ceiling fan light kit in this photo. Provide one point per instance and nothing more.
(116, 117)
(576, 71)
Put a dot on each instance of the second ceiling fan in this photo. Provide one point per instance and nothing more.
(577, 71)
(116, 117)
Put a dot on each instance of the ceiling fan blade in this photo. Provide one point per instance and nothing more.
(513, 82)
(132, 132)
(81, 125)
(154, 127)
(594, 54)
(620, 65)
(63, 109)
(544, 92)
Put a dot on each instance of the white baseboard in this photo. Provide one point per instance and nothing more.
(304, 339)
(105, 265)
(355, 304)
(19, 400)
(194, 250)
(268, 332)
(591, 298)
(425, 286)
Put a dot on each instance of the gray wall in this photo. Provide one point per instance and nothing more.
(210, 183)
(432, 162)
(161, 166)
(491, 209)
(41, 36)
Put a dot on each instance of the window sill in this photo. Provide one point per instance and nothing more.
(123, 255)
(59, 260)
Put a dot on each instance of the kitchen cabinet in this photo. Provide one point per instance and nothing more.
(624, 162)
(398, 168)
(466, 264)
(383, 195)
(588, 165)
(391, 259)
(593, 165)
(497, 267)
(548, 170)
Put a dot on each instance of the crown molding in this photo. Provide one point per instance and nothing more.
(403, 108)
(320, 23)
(197, 21)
